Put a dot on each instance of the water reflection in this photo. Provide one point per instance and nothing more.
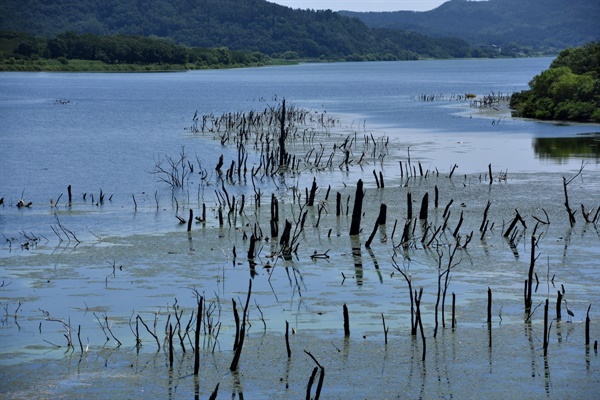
(357, 258)
(563, 148)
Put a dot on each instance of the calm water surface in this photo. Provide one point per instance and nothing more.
(107, 131)
(115, 125)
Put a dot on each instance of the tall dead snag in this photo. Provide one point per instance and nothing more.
(313, 192)
(251, 247)
(171, 346)
(282, 136)
(380, 221)
(346, 321)
(424, 206)
(529, 282)
(546, 329)
(565, 184)
(569, 211)
(284, 241)
(189, 225)
(485, 213)
(489, 306)
(197, 337)
(274, 216)
(558, 306)
(241, 331)
(453, 310)
(357, 210)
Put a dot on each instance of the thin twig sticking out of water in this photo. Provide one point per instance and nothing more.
(106, 327)
(138, 317)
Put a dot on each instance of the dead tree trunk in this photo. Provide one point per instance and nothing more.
(313, 192)
(380, 221)
(424, 206)
(357, 210)
(571, 212)
(528, 288)
(282, 136)
(242, 332)
(274, 216)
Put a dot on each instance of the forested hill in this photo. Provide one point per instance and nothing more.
(535, 24)
(250, 25)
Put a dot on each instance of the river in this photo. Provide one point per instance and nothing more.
(65, 267)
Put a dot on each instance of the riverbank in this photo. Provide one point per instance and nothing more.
(64, 65)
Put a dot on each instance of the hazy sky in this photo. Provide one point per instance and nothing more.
(362, 5)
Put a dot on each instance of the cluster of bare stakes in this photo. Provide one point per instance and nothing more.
(271, 138)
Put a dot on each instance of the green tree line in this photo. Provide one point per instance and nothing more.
(117, 50)
(569, 90)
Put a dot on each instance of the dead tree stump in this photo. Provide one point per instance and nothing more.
(357, 210)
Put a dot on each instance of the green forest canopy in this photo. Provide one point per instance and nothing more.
(20, 51)
(244, 25)
(569, 90)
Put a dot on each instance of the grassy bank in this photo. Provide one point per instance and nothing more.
(64, 65)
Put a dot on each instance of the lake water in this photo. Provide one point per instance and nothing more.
(106, 132)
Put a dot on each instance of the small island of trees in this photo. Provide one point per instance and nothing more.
(568, 91)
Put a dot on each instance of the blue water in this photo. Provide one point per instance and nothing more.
(114, 127)
(116, 124)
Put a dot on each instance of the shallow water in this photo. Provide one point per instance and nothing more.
(130, 261)
(464, 366)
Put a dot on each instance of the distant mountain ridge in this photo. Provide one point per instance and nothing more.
(252, 25)
(538, 24)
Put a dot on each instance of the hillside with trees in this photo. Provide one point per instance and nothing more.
(512, 27)
(569, 90)
(241, 25)
(70, 51)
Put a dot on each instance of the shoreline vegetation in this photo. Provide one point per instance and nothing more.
(72, 52)
(79, 65)
(567, 91)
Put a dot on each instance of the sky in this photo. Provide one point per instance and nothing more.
(362, 5)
